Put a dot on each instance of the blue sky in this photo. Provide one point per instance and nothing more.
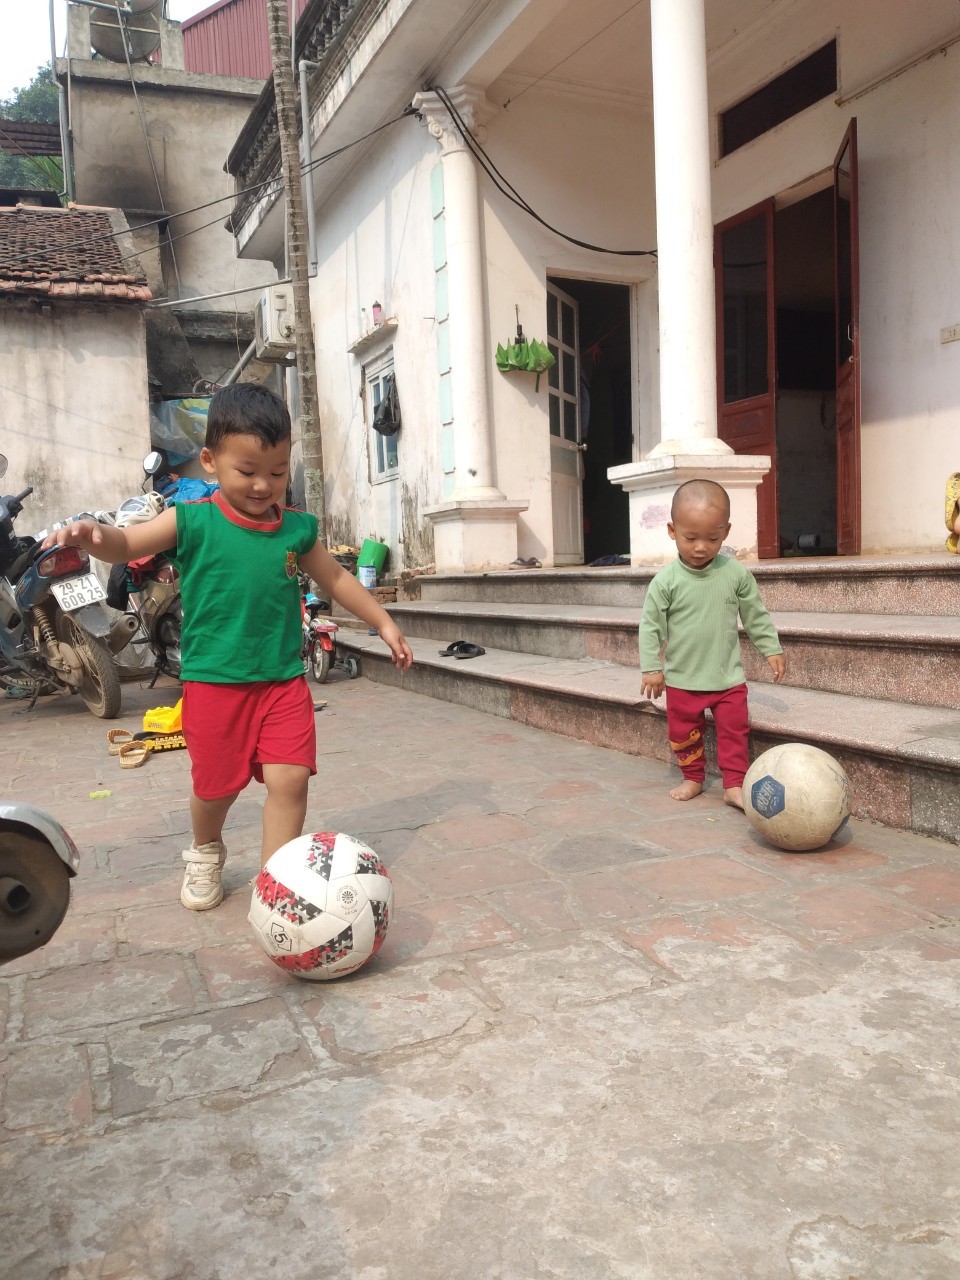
(30, 46)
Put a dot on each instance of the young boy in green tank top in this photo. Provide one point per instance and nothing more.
(247, 710)
(692, 607)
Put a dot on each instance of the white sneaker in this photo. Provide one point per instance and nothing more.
(202, 885)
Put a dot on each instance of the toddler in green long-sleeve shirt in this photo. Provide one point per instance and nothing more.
(691, 610)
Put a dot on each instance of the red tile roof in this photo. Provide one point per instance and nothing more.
(67, 253)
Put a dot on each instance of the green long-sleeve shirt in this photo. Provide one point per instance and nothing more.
(694, 612)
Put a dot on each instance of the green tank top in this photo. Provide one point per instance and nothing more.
(239, 590)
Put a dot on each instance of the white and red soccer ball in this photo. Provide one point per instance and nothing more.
(321, 905)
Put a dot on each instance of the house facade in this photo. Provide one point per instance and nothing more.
(733, 222)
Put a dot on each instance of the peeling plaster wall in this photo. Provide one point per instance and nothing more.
(191, 123)
(375, 245)
(73, 407)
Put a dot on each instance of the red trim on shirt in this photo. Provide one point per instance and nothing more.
(265, 526)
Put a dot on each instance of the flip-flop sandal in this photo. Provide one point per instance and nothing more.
(452, 648)
(116, 739)
(469, 650)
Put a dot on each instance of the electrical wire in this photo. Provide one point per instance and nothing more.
(508, 190)
(277, 180)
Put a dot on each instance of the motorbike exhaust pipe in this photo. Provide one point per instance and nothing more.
(121, 633)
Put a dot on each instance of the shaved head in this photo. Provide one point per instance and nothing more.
(700, 494)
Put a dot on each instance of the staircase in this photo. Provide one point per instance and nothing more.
(873, 667)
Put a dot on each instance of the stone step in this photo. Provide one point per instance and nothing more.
(905, 658)
(903, 761)
(916, 585)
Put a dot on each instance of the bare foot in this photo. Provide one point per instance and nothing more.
(686, 790)
(733, 796)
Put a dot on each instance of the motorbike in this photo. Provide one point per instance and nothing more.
(38, 859)
(54, 636)
(149, 588)
(317, 649)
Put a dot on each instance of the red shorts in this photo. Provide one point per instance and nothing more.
(233, 730)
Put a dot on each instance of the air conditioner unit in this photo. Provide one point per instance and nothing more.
(273, 323)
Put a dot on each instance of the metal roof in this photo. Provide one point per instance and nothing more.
(230, 38)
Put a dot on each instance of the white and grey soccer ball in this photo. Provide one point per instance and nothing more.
(796, 796)
(321, 905)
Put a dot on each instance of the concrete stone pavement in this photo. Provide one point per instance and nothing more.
(608, 1035)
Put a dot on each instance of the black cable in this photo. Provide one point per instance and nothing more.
(208, 204)
(508, 190)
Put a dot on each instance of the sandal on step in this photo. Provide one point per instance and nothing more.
(461, 649)
(452, 648)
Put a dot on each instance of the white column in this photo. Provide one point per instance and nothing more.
(689, 446)
(474, 454)
(681, 125)
(475, 528)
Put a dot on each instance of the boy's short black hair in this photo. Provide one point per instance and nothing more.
(247, 409)
(701, 493)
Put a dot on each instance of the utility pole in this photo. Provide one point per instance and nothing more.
(286, 105)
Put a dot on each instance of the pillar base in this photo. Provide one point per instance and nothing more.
(652, 483)
(471, 534)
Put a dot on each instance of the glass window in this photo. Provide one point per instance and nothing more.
(384, 455)
(799, 87)
(745, 310)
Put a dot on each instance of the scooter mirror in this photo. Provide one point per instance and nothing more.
(3, 466)
(152, 462)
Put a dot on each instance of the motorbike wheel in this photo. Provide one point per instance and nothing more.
(168, 639)
(99, 685)
(320, 663)
(34, 893)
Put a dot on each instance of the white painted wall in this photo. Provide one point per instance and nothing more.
(72, 407)
(909, 232)
(375, 243)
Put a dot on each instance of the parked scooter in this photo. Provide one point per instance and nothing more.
(37, 861)
(150, 588)
(54, 637)
(317, 649)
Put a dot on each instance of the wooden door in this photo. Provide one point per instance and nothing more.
(747, 352)
(566, 447)
(847, 284)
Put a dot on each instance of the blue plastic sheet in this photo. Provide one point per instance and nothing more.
(179, 427)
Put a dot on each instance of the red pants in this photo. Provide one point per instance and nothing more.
(686, 723)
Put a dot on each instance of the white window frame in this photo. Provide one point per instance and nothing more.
(379, 446)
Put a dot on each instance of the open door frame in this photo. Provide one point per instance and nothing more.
(847, 348)
(750, 425)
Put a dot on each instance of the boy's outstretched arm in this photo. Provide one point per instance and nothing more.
(347, 591)
(118, 546)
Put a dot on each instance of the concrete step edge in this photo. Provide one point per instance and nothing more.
(941, 630)
(926, 736)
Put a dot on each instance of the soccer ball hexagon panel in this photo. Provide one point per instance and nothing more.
(321, 905)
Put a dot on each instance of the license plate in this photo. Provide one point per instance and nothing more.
(74, 593)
